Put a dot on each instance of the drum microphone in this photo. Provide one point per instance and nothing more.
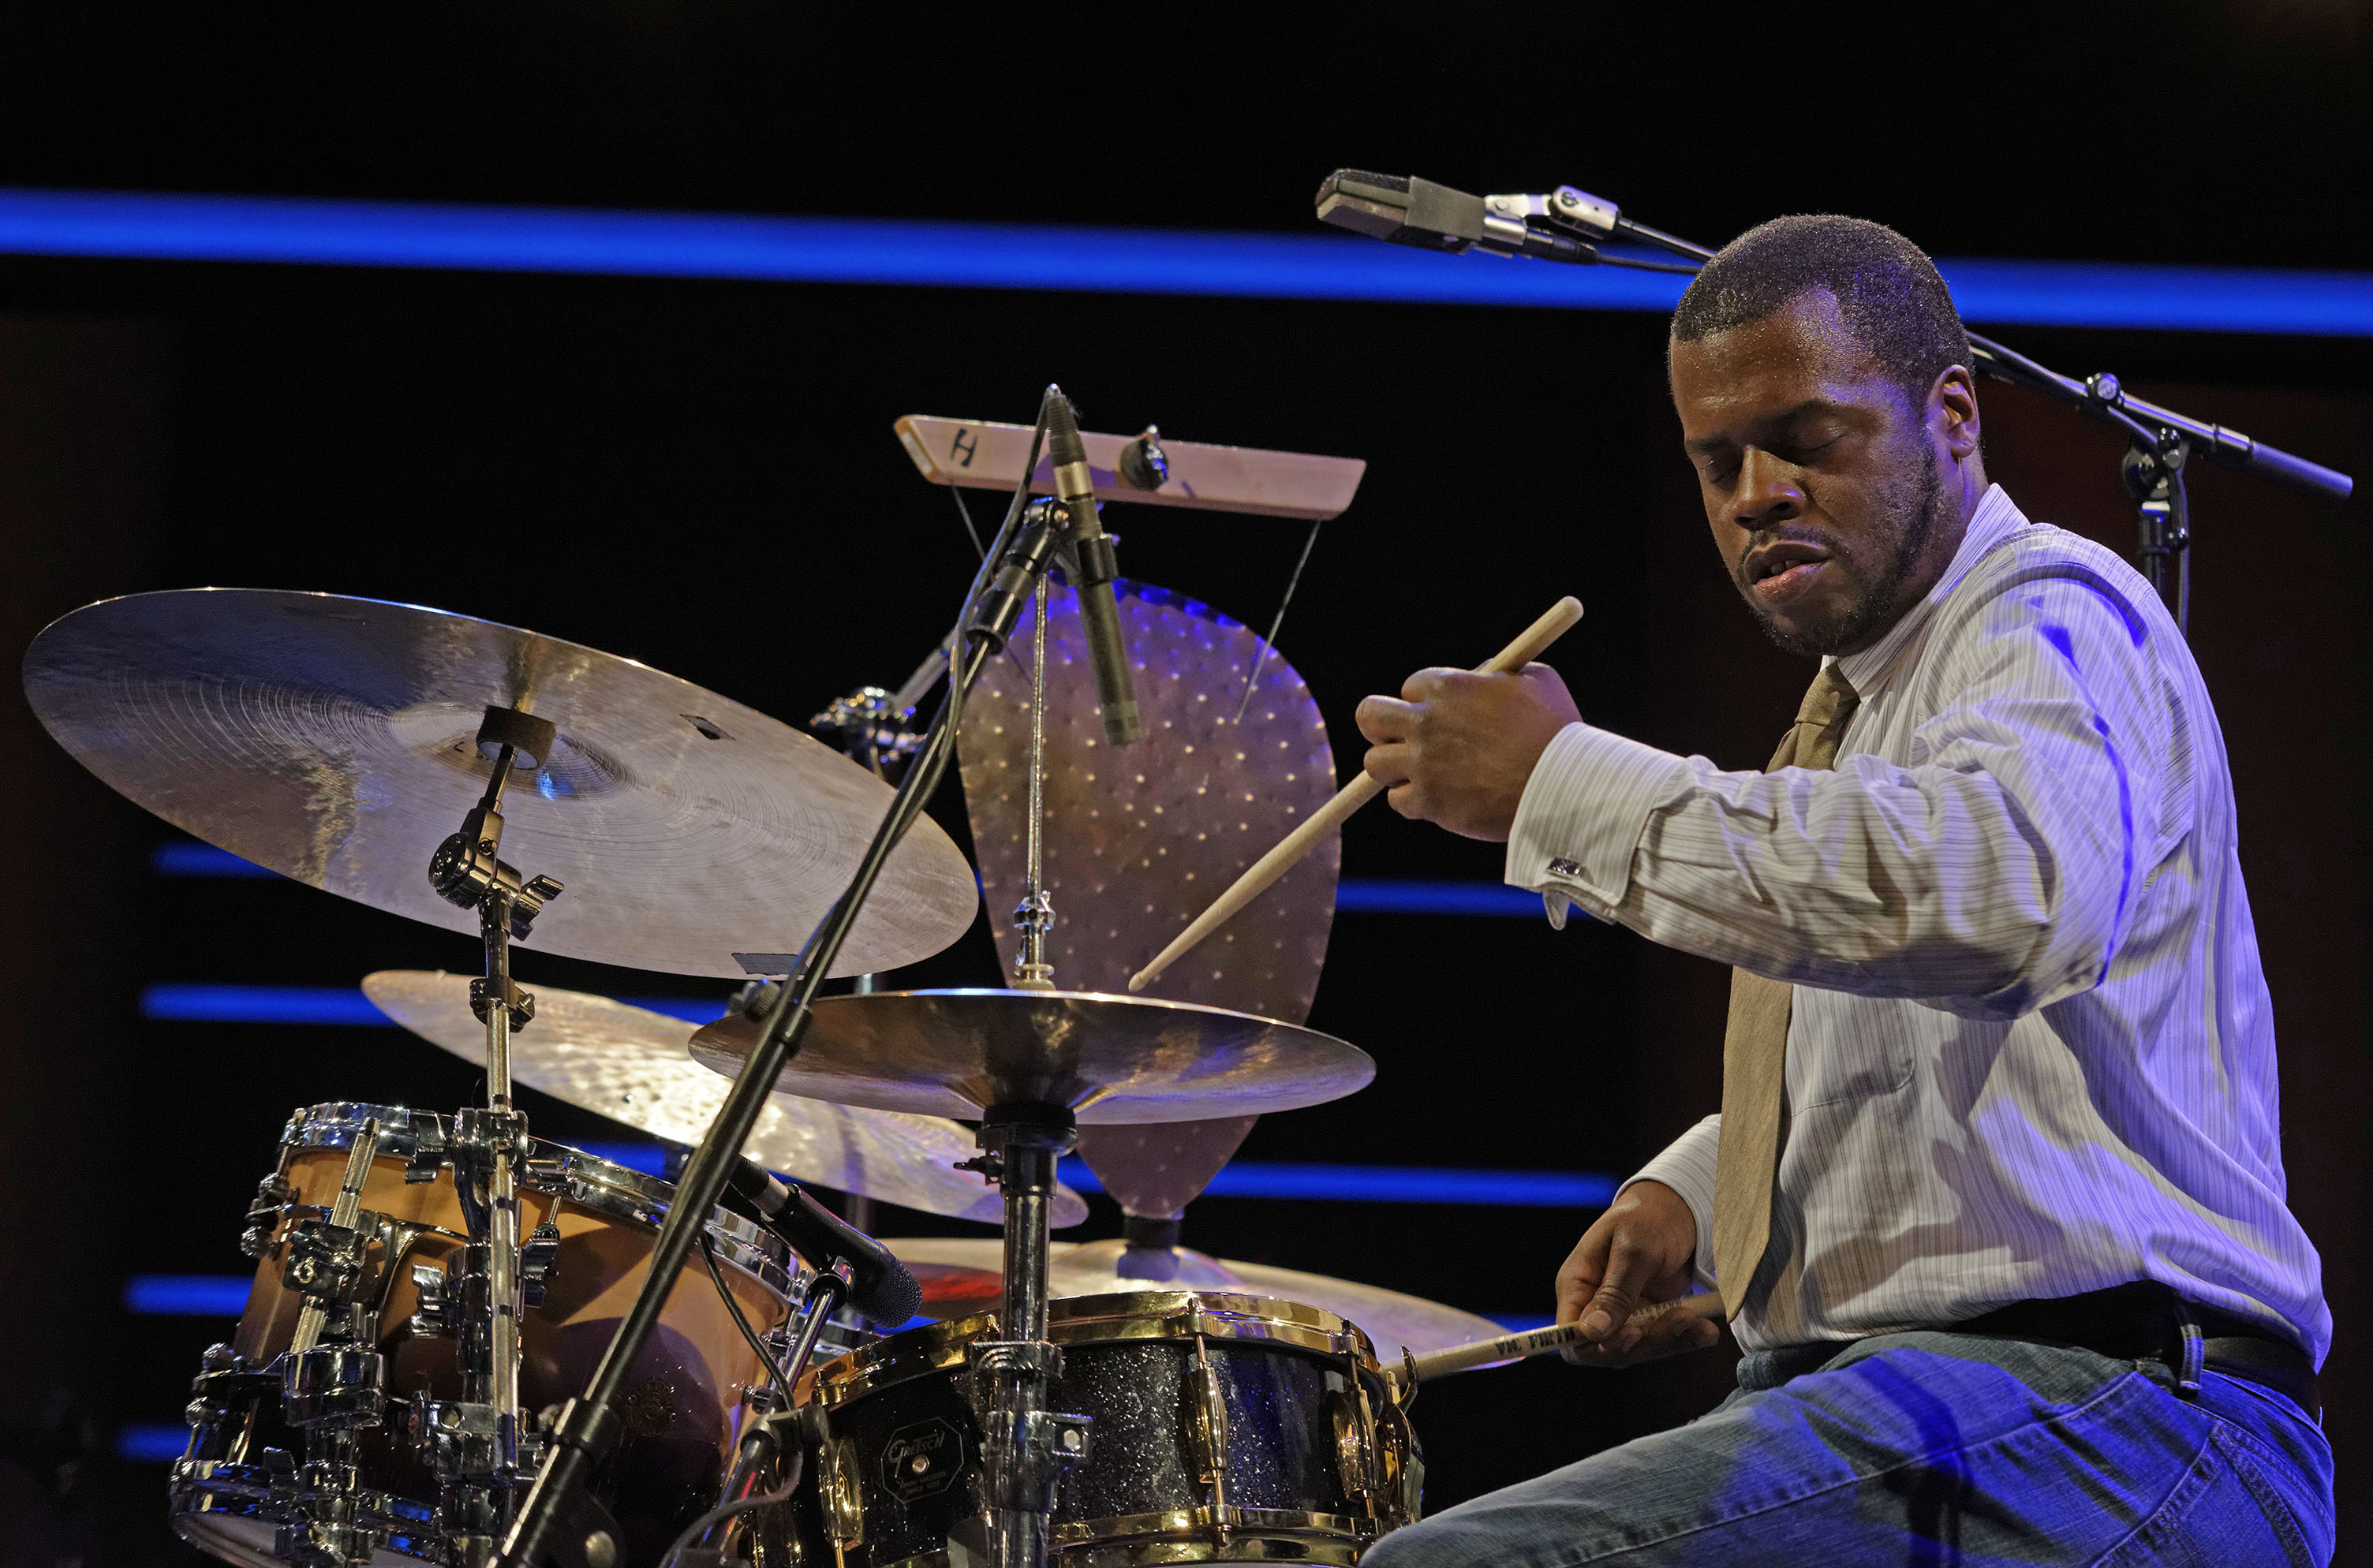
(1107, 648)
(1405, 210)
(880, 1286)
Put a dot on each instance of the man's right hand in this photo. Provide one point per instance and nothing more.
(1639, 1252)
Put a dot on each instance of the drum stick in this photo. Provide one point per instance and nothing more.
(1330, 816)
(1540, 1342)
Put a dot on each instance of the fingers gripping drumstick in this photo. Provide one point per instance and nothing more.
(1540, 1342)
(1290, 851)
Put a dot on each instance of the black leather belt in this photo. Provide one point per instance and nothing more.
(2143, 1320)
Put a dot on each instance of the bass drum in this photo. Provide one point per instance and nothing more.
(688, 1400)
(1221, 1429)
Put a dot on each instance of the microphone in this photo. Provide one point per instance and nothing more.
(880, 1286)
(1107, 649)
(1405, 210)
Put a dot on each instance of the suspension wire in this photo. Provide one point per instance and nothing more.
(1252, 682)
(956, 493)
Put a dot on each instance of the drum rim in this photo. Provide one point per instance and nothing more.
(1094, 1320)
(598, 1186)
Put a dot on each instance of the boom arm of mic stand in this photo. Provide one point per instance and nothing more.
(2102, 397)
(589, 1424)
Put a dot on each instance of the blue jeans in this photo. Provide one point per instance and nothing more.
(1925, 1448)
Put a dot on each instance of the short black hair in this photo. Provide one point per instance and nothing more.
(1888, 293)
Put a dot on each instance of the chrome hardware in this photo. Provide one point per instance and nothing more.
(453, 1438)
(431, 1315)
(264, 1214)
(333, 1385)
(537, 1259)
(326, 1260)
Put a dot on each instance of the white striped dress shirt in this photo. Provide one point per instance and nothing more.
(2032, 1052)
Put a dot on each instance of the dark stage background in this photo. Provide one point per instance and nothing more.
(626, 463)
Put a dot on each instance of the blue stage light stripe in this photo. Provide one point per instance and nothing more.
(203, 1003)
(259, 1004)
(1519, 1322)
(151, 1444)
(191, 859)
(891, 251)
(648, 1158)
(187, 1296)
(1362, 896)
(1355, 895)
(1392, 1184)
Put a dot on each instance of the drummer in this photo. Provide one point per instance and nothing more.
(1995, 1200)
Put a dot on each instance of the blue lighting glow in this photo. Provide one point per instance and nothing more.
(1519, 1322)
(188, 857)
(1320, 265)
(204, 1002)
(151, 1444)
(1361, 896)
(260, 1004)
(187, 1296)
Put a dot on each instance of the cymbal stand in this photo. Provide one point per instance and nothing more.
(474, 1444)
(1025, 1446)
(552, 1523)
(1034, 916)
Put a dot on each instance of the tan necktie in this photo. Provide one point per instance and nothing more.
(1755, 1045)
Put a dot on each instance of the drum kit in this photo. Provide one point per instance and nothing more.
(464, 1343)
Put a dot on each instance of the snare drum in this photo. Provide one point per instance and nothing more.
(685, 1404)
(1223, 1429)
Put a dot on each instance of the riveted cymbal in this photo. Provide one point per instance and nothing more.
(333, 740)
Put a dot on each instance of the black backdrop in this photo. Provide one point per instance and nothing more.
(627, 464)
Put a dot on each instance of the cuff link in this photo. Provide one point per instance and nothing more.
(1563, 866)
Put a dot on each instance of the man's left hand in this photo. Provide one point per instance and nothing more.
(1456, 748)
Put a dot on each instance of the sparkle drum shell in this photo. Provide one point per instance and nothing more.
(1223, 1429)
(684, 1410)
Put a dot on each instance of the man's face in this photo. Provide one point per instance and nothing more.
(1820, 483)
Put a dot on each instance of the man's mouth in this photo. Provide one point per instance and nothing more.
(1783, 568)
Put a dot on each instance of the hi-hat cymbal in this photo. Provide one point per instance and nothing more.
(333, 741)
(1110, 1059)
(964, 1275)
(629, 1064)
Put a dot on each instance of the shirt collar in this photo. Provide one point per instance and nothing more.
(1996, 516)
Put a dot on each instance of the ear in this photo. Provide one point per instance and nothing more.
(1953, 411)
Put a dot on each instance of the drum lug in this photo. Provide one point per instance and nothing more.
(264, 1214)
(427, 1156)
(536, 1259)
(431, 1314)
(453, 1438)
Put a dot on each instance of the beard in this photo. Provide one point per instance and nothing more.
(1913, 501)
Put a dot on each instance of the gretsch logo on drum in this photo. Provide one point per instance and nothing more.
(922, 1458)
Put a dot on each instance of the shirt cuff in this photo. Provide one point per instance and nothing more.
(1688, 1166)
(1582, 815)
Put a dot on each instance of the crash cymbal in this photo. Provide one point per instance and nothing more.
(963, 1275)
(333, 741)
(1137, 842)
(630, 1065)
(1110, 1058)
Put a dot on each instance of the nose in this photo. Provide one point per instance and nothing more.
(1768, 491)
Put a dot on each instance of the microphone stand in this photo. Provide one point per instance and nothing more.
(560, 1520)
(2159, 440)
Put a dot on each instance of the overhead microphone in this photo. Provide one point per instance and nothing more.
(1563, 224)
(1107, 648)
(880, 1286)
